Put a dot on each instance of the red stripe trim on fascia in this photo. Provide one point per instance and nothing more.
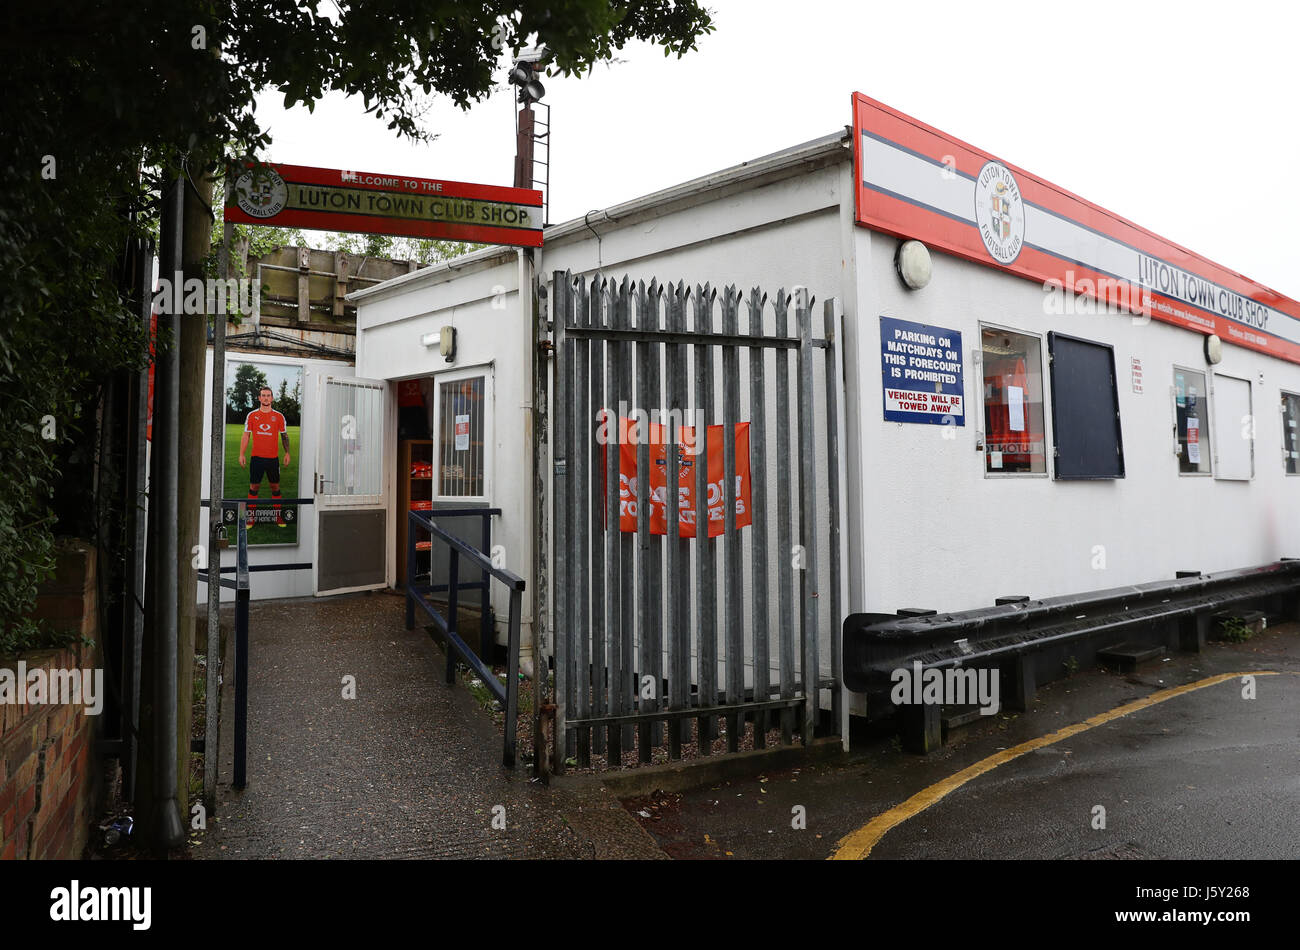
(916, 135)
(962, 240)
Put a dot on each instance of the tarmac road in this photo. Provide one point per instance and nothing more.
(1198, 773)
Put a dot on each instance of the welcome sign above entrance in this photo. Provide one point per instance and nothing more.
(914, 181)
(329, 199)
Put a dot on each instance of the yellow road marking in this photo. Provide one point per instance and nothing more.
(858, 844)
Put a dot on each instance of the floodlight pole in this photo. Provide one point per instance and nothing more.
(524, 147)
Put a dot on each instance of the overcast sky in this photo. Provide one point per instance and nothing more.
(1178, 116)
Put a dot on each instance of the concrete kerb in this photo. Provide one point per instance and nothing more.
(678, 776)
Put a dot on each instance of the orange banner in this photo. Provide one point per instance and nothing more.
(630, 485)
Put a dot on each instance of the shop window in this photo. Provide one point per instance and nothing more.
(462, 409)
(1191, 422)
(1291, 433)
(1234, 440)
(1013, 402)
(1086, 436)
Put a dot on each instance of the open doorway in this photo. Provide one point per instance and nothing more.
(444, 460)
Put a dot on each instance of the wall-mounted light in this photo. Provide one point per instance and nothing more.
(1213, 349)
(912, 262)
(444, 339)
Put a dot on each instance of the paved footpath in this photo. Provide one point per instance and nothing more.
(410, 768)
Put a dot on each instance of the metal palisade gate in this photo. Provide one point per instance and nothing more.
(672, 624)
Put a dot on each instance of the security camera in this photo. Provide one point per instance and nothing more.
(534, 54)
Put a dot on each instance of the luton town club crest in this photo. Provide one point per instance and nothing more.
(999, 212)
(261, 192)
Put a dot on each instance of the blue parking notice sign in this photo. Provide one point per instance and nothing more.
(921, 373)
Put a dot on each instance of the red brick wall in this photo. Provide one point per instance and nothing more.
(48, 767)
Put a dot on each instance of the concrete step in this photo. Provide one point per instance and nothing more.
(954, 717)
(1126, 657)
(1247, 623)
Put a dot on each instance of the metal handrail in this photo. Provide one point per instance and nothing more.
(243, 595)
(507, 694)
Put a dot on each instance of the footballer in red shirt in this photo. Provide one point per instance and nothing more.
(261, 428)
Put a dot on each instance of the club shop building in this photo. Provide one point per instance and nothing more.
(1038, 397)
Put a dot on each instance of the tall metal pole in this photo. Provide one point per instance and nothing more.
(524, 147)
(216, 489)
(167, 829)
(140, 525)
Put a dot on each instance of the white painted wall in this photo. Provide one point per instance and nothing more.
(482, 303)
(925, 527)
(273, 584)
(942, 535)
(783, 232)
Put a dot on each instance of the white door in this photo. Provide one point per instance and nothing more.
(351, 501)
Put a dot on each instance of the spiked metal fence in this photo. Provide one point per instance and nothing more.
(660, 634)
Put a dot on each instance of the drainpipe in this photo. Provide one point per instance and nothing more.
(528, 311)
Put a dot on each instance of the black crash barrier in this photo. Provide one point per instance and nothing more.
(1035, 641)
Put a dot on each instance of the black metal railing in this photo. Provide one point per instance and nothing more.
(420, 594)
(243, 595)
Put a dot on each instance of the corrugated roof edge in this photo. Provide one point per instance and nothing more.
(754, 168)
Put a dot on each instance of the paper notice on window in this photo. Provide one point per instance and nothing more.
(462, 433)
(1016, 408)
(995, 460)
(1194, 440)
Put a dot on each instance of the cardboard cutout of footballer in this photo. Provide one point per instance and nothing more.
(263, 419)
(263, 428)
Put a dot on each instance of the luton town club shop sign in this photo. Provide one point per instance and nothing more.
(327, 199)
(917, 182)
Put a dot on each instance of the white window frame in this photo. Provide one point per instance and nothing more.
(1281, 411)
(1206, 444)
(978, 381)
(487, 371)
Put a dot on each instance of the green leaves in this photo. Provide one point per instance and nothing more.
(120, 97)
